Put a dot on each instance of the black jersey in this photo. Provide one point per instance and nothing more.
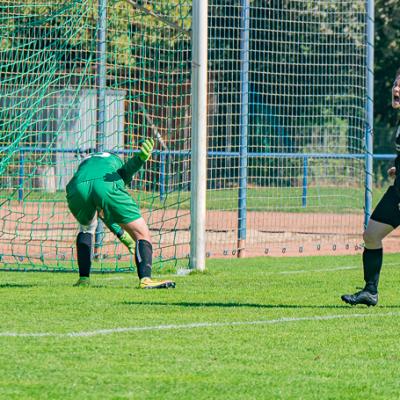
(397, 161)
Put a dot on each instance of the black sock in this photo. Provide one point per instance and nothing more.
(143, 258)
(84, 251)
(372, 263)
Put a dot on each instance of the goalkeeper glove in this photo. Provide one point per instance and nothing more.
(127, 240)
(145, 149)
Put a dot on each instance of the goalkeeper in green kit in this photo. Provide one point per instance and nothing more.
(98, 188)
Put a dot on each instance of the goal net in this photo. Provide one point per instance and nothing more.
(62, 96)
(285, 137)
(286, 127)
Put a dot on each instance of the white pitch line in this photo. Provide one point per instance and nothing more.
(302, 271)
(111, 331)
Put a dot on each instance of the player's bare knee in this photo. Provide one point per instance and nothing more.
(138, 229)
(372, 239)
(146, 237)
(140, 235)
(144, 234)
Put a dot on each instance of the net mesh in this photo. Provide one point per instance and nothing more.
(49, 120)
(305, 97)
(286, 123)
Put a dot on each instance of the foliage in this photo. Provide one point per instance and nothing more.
(387, 62)
(306, 81)
(126, 26)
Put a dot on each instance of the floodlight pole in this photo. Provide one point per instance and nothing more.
(199, 135)
(369, 106)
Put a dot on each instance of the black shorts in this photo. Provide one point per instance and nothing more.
(388, 209)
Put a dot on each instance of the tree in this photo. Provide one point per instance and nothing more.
(127, 27)
(387, 61)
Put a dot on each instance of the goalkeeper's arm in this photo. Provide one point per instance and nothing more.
(136, 162)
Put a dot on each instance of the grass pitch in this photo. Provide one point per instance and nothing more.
(263, 328)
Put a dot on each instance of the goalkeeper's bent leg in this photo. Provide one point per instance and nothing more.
(84, 242)
(139, 230)
(144, 258)
(84, 252)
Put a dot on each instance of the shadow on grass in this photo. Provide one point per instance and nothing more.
(15, 285)
(233, 305)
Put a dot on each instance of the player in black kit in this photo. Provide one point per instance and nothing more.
(384, 219)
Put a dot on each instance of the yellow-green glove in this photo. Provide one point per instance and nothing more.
(145, 149)
(127, 240)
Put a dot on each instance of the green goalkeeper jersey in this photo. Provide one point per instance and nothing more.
(101, 165)
(99, 186)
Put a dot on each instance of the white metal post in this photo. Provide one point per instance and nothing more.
(369, 129)
(199, 134)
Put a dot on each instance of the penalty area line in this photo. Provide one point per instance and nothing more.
(100, 332)
(343, 268)
(303, 271)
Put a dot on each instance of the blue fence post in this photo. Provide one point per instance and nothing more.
(244, 121)
(305, 182)
(162, 175)
(21, 175)
(98, 238)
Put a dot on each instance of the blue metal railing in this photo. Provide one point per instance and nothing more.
(164, 156)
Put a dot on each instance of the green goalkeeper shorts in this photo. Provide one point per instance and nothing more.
(110, 199)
